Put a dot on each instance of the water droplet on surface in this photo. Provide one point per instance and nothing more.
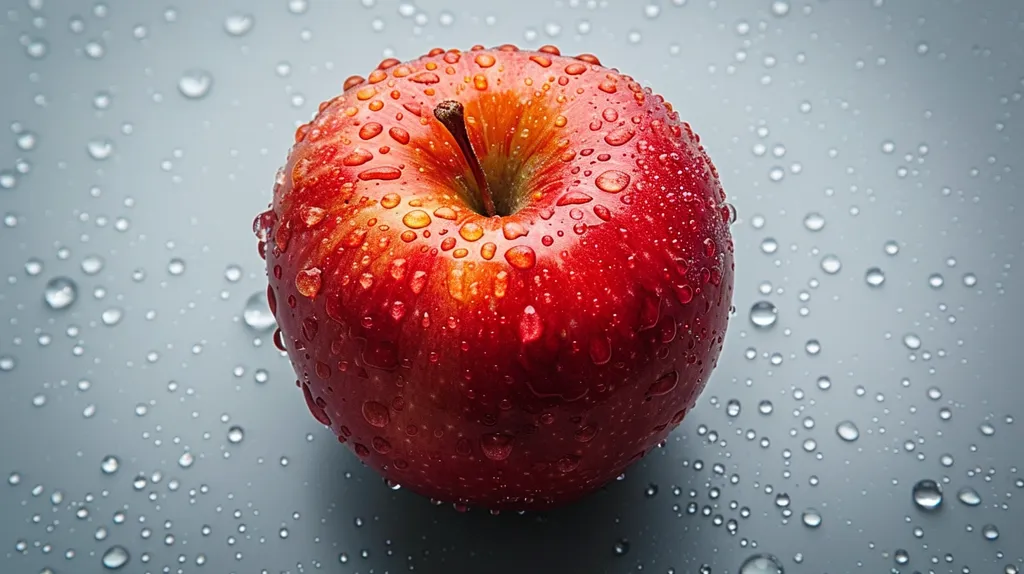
(970, 280)
(811, 518)
(186, 460)
(110, 464)
(874, 277)
(769, 245)
(780, 7)
(238, 24)
(936, 281)
(376, 414)
(612, 181)
(60, 293)
(901, 556)
(530, 325)
(621, 547)
(891, 248)
(256, 314)
(831, 264)
(176, 266)
(927, 494)
(100, 148)
(763, 314)
(814, 221)
(233, 273)
(92, 265)
(115, 557)
(761, 564)
(236, 434)
(111, 316)
(990, 532)
(298, 6)
(847, 431)
(969, 496)
(732, 408)
(195, 84)
(912, 341)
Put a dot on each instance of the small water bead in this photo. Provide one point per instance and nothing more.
(812, 347)
(814, 221)
(927, 494)
(238, 24)
(769, 245)
(176, 266)
(195, 84)
(186, 460)
(233, 273)
(936, 281)
(60, 293)
(811, 518)
(901, 557)
(621, 547)
(732, 408)
(945, 414)
(236, 434)
(946, 460)
(100, 148)
(847, 431)
(299, 6)
(970, 280)
(261, 376)
(990, 532)
(912, 341)
(891, 248)
(115, 558)
(824, 383)
(256, 314)
(831, 264)
(765, 407)
(969, 496)
(761, 564)
(987, 429)
(763, 314)
(874, 277)
(92, 264)
(33, 267)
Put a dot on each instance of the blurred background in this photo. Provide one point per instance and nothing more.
(866, 413)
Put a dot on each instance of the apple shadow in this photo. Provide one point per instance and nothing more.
(615, 529)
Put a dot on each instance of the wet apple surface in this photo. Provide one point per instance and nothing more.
(501, 275)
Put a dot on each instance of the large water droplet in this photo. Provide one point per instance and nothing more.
(60, 292)
(195, 84)
(811, 518)
(763, 314)
(847, 431)
(831, 264)
(990, 532)
(761, 564)
(236, 434)
(927, 494)
(257, 315)
(238, 24)
(110, 464)
(115, 557)
(496, 446)
(874, 277)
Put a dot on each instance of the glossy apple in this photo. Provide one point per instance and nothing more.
(501, 276)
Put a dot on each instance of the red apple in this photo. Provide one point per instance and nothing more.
(501, 276)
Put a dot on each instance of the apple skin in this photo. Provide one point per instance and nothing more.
(508, 362)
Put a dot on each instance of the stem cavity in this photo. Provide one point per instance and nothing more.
(452, 115)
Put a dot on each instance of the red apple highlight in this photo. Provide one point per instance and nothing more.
(501, 276)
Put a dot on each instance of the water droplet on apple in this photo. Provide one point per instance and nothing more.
(600, 349)
(521, 257)
(664, 385)
(317, 412)
(308, 282)
(568, 463)
(496, 446)
(416, 219)
(530, 325)
(376, 414)
(612, 181)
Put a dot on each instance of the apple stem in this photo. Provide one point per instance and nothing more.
(452, 115)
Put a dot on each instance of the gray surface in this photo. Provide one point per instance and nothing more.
(946, 75)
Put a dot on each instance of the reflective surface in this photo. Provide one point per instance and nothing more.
(865, 414)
